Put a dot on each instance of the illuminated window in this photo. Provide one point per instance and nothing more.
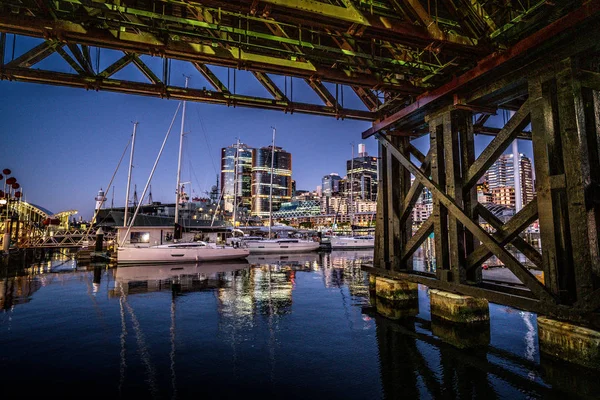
(140, 237)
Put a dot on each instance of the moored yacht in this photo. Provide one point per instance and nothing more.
(179, 253)
(352, 242)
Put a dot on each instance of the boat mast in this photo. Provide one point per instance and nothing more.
(177, 232)
(271, 185)
(235, 180)
(135, 124)
(351, 191)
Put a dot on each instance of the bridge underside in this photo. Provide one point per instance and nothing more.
(421, 68)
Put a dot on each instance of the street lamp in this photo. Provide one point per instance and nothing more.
(10, 187)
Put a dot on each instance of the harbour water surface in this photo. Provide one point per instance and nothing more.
(302, 326)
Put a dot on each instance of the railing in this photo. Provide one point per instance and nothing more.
(67, 239)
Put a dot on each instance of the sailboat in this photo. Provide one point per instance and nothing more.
(279, 245)
(352, 241)
(140, 251)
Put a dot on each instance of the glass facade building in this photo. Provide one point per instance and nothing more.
(330, 185)
(236, 185)
(261, 179)
(362, 171)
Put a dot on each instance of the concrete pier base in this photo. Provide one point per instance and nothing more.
(462, 336)
(372, 282)
(395, 290)
(569, 342)
(457, 308)
(396, 299)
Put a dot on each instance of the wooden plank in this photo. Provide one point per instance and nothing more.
(515, 267)
(542, 130)
(508, 234)
(574, 140)
(394, 198)
(439, 213)
(381, 253)
(417, 239)
(415, 191)
(589, 79)
(454, 191)
(498, 145)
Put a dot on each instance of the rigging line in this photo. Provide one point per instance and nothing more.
(151, 174)
(207, 141)
(109, 184)
(192, 171)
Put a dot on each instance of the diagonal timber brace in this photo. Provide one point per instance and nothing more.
(536, 287)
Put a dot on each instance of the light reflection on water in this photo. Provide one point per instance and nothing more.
(293, 326)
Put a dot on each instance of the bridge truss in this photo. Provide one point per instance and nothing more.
(420, 67)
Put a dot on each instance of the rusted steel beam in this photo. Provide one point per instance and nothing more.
(417, 239)
(81, 59)
(367, 97)
(270, 86)
(488, 64)
(508, 233)
(508, 259)
(237, 58)
(146, 70)
(35, 55)
(116, 66)
(211, 77)
(147, 89)
(323, 93)
(69, 60)
(500, 143)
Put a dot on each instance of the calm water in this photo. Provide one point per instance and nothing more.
(297, 327)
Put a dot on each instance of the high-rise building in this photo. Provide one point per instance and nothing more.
(362, 172)
(236, 176)
(500, 176)
(261, 179)
(330, 184)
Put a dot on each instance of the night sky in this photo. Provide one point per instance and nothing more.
(64, 144)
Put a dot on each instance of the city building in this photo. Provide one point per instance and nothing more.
(500, 178)
(330, 185)
(423, 207)
(362, 172)
(236, 177)
(261, 179)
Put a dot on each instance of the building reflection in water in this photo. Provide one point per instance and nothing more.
(252, 305)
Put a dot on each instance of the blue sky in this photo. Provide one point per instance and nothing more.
(64, 144)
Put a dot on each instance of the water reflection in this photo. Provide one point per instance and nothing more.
(293, 326)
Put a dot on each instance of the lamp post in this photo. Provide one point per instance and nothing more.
(10, 187)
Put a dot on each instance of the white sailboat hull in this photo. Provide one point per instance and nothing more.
(176, 254)
(352, 242)
(281, 246)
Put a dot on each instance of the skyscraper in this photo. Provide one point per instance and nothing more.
(261, 179)
(501, 180)
(236, 186)
(362, 171)
(330, 185)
